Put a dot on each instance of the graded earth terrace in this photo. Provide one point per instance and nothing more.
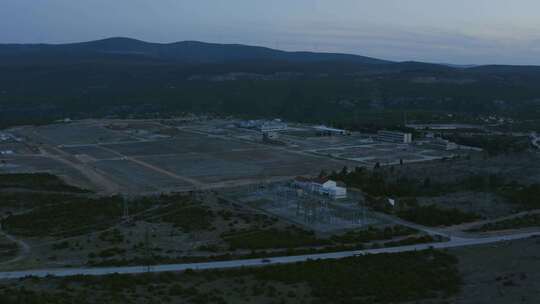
(137, 157)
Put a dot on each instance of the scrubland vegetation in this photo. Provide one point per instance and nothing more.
(384, 278)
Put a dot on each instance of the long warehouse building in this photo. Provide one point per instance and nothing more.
(394, 137)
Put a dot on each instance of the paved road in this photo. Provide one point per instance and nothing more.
(64, 272)
(535, 139)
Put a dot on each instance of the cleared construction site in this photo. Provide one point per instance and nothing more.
(143, 157)
(163, 156)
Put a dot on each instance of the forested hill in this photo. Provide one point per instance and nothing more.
(185, 52)
(120, 76)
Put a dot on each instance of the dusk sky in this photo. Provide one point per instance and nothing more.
(458, 31)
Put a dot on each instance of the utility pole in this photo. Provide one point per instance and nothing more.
(147, 250)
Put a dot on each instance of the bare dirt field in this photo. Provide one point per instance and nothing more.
(149, 157)
(134, 178)
(84, 132)
(41, 163)
(385, 154)
(95, 152)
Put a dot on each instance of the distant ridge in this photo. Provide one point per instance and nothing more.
(120, 77)
(188, 52)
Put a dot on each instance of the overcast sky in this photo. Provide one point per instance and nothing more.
(451, 31)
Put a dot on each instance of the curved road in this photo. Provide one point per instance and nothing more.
(64, 272)
(535, 139)
(24, 249)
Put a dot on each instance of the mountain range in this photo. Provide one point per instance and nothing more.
(185, 52)
(122, 76)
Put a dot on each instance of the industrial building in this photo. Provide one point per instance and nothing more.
(394, 137)
(268, 128)
(328, 131)
(272, 126)
(8, 137)
(264, 126)
(442, 127)
(323, 186)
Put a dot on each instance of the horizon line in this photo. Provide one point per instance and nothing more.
(449, 64)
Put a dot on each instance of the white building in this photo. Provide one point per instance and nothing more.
(395, 137)
(331, 131)
(323, 186)
(335, 192)
(264, 126)
(7, 137)
(273, 126)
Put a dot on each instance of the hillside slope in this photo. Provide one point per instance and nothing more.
(185, 52)
(120, 76)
